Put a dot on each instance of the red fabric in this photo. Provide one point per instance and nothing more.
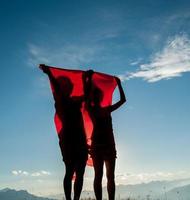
(106, 83)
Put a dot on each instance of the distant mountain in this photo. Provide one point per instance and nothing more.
(173, 190)
(5, 189)
(10, 194)
(153, 190)
(179, 193)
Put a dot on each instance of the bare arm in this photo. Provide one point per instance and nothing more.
(46, 70)
(122, 97)
(87, 81)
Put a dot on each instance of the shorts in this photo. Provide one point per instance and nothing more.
(103, 152)
(72, 154)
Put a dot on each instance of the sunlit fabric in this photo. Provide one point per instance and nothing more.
(104, 82)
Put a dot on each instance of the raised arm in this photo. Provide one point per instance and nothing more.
(87, 82)
(122, 96)
(46, 70)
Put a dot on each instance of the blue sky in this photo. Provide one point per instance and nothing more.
(146, 43)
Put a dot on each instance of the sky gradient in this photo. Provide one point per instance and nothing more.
(146, 43)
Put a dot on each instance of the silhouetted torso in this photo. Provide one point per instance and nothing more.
(102, 127)
(72, 139)
(72, 133)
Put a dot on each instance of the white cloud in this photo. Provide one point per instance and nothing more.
(141, 177)
(33, 174)
(25, 173)
(41, 173)
(130, 178)
(19, 172)
(45, 172)
(36, 174)
(70, 55)
(172, 61)
(14, 172)
(136, 62)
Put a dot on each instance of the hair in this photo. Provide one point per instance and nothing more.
(96, 96)
(66, 85)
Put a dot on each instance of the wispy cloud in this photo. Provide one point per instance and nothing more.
(130, 178)
(33, 174)
(136, 62)
(141, 177)
(172, 61)
(179, 17)
(70, 55)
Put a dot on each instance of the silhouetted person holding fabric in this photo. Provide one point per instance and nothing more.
(103, 145)
(72, 139)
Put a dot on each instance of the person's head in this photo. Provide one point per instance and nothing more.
(66, 86)
(97, 96)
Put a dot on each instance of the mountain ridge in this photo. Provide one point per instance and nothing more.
(154, 189)
(12, 194)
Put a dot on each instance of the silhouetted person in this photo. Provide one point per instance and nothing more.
(72, 139)
(103, 145)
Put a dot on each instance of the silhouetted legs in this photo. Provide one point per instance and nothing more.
(98, 170)
(110, 170)
(67, 182)
(78, 167)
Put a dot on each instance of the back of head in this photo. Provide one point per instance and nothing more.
(66, 85)
(96, 96)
